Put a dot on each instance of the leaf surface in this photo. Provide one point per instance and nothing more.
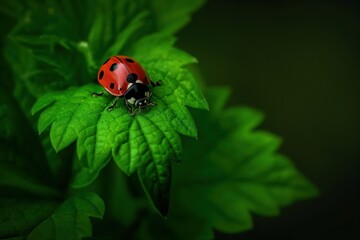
(232, 172)
(147, 141)
(238, 175)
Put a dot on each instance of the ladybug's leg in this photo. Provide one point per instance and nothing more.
(113, 104)
(131, 110)
(97, 94)
(155, 84)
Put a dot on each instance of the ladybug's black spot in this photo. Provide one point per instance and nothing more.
(112, 85)
(131, 78)
(101, 75)
(129, 60)
(113, 67)
(106, 61)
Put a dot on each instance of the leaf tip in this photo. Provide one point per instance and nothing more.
(206, 105)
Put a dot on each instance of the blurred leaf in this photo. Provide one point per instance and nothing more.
(119, 192)
(23, 97)
(71, 219)
(33, 218)
(173, 15)
(155, 177)
(123, 36)
(15, 134)
(240, 174)
(19, 216)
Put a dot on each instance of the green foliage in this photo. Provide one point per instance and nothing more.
(34, 218)
(147, 141)
(71, 218)
(19, 216)
(52, 53)
(240, 174)
(75, 41)
(222, 182)
(30, 207)
(78, 36)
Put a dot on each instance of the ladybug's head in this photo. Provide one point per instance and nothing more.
(139, 95)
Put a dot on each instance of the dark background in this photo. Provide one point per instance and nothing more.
(298, 62)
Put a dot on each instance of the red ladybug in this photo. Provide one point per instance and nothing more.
(123, 76)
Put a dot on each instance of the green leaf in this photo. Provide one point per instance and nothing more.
(164, 62)
(71, 219)
(149, 140)
(240, 174)
(33, 218)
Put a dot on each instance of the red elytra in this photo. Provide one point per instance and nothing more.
(116, 74)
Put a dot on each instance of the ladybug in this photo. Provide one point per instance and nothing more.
(122, 76)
